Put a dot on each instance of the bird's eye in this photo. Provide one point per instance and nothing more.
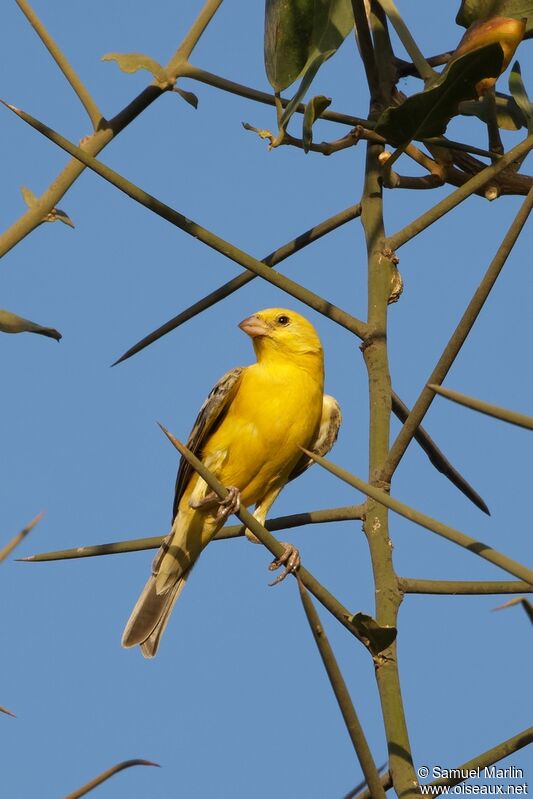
(283, 320)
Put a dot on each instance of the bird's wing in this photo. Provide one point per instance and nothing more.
(328, 431)
(210, 415)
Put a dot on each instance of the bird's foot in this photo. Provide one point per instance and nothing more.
(231, 504)
(290, 559)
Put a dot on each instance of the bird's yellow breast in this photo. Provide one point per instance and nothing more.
(276, 409)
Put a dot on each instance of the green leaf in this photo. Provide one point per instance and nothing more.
(298, 32)
(520, 96)
(11, 323)
(132, 62)
(288, 31)
(472, 10)
(378, 637)
(508, 114)
(313, 110)
(427, 113)
(29, 197)
(189, 97)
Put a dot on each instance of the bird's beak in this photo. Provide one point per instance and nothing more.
(254, 326)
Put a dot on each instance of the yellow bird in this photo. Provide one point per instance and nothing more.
(248, 433)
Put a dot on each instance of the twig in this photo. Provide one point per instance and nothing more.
(197, 231)
(513, 417)
(15, 541)
(366, 47)
(415, 227)
(105, 775)
(437, 457)
(404, 34)
(392, 180)
(456, 341)
(267, 539)
(405, 69)
(488, 758)
(349, 512)
(33, 217)
(217, 81)
(276, 257)
(194, 35)
(363, 791)
(412, 585)
(450, 533)
(353, 725)
(95, 115)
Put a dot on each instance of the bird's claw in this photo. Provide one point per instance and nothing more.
(290, 559)
(231, 504)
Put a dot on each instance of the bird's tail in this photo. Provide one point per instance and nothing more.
(150, 616)
(191, 532)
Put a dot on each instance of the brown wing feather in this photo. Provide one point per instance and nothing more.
(209, 417)
(327, 435)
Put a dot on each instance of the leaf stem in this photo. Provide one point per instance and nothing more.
(95, 115)
(349, 714)
(456, 341)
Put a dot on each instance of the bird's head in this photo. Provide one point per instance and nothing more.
(279, 332)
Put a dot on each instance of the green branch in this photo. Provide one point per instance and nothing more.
(301, 241)
(95, 115)
(272, 544)
(349, 512)
(387, 595)
(366, 47)
(93, 145)
(437, 457)
(457, 340)
(194, 35)
(505, 415)
(412, 585)
(407, 40)
(489, 757)
(197, 231)
(241, 90)
(353, 725)
(426, 219)
(450, 533)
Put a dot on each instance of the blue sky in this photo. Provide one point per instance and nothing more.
(236, 703)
